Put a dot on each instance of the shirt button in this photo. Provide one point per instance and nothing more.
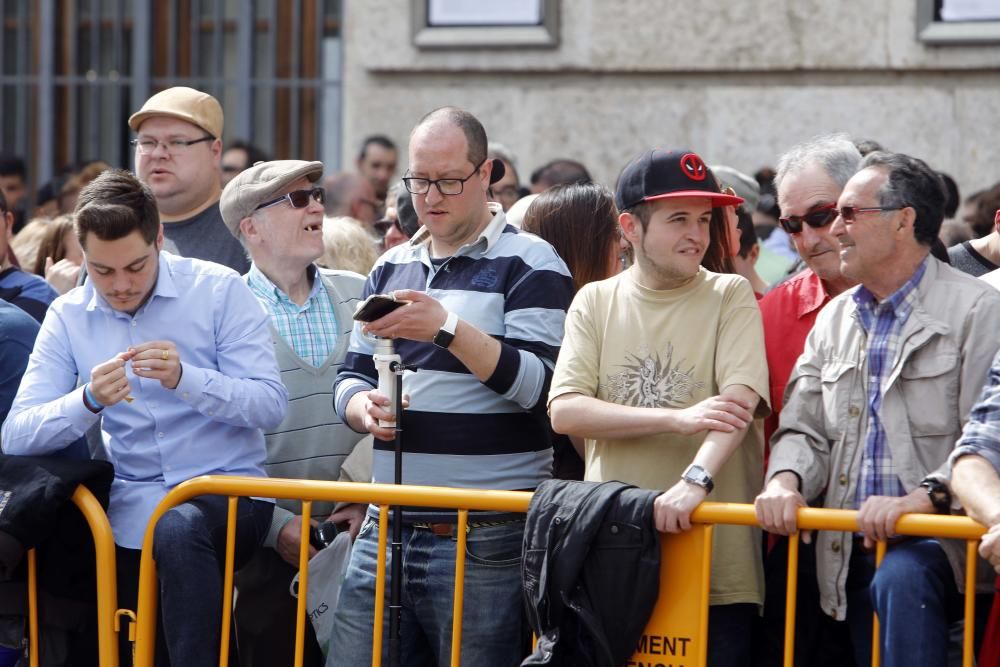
(836, 547)
(614, 529)
(854, 411)
(843, 480)
(134, 323)
(160, 434)
(186, 395)
(168, 468)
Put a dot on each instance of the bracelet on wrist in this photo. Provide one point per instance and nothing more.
(89, 401)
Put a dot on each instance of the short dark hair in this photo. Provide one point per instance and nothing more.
(254, 154)
(377, 140)
(115, 204)
(748, 233)
(581, 223)
(475, 133)
(11, 165)
(910, 182)
(987, 203)
(953, 197)
(560, 172)
(866, 146)
(3, 202)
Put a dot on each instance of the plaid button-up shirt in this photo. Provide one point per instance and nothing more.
(310, 329)
(883, 322)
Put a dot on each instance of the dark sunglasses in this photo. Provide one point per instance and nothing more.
(821, 217)
(297, 198)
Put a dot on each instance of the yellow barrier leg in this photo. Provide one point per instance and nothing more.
(968, 632)
(107, 582)
(791, 591)
(300, 611)
(227, 583)
(383, 537)
(876, 639)
(32, 609)
(456, 616)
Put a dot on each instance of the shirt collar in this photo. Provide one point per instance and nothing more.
(164, 287)
(900, 301)
(812, 294)
(272, 292)
(486, 239)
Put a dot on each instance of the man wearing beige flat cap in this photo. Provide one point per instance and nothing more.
(178, 152)
(275, 209)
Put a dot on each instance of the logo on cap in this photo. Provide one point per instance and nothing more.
(693, 167)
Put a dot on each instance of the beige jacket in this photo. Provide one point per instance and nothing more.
(949, 342)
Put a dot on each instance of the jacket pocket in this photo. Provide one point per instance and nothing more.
(929, 386)
(837, 379)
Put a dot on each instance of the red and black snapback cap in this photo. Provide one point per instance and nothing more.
(658, 174)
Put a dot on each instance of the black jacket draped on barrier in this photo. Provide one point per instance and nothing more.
(36, 511)
(591, 571)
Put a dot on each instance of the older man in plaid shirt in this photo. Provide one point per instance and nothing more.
(275, 209)
(874, 407)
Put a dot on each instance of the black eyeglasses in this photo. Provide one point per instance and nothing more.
(297, 198)
(446, 186)
(173, 146)
(850, 213)
(817, 219)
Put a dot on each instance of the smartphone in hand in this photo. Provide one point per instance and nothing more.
(377, 306)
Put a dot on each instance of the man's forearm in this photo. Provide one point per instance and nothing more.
(476, 350)
(719, 446)
(588, 417)
(976, 483)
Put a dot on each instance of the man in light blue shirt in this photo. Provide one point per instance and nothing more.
(173, 356)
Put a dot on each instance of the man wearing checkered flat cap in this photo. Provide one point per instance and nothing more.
(662, 372)
(275, 209)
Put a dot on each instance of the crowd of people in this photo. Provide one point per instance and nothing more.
(818, 334)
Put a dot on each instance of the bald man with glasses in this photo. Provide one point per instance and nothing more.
(178, 154)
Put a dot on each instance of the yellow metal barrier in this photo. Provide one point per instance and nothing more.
(677, 628)
(107, 587)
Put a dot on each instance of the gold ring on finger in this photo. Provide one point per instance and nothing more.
(164, 355)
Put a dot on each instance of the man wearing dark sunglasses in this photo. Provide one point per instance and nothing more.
(275, 209)
(874, 407)
(810, 177)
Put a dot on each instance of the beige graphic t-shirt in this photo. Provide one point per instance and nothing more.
(671, 349)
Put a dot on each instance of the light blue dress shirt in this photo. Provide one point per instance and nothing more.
(211, 423)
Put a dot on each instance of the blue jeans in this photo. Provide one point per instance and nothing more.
(915, 596)
(492, 612)
(189, 546)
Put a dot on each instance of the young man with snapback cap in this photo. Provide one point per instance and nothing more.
(275, 209)
(178, 153)
(662, 371)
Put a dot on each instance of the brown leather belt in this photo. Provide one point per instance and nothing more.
(450, 529)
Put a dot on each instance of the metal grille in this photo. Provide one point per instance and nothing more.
(72, 71)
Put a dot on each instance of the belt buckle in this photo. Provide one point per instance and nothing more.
(442, 529)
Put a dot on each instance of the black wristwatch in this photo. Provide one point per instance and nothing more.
(698, 476)
(446, 333)
(939, 494)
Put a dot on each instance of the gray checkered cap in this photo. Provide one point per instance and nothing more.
(261, 183)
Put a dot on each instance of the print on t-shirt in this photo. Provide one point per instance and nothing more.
(649, 382)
